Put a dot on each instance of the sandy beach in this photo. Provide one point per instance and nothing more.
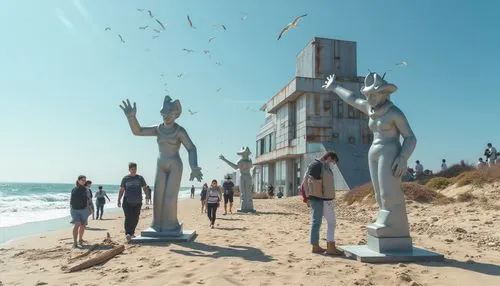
(269, 247)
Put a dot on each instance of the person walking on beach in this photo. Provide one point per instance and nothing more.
(148, 195)
(100, 201)
(213, 202)
(318, 191)
(79, 210)
(228, 194)
(88, 184)
(203, 197)
(192, 191)
(130, 190)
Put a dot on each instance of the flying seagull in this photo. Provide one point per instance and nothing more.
(221, 26)
(143, 27)
(188, 50)
(140, 10)
(150, 14)
(218, 63)
(218, 89)
(211, 39)
(192, 112)
(121, 38)
(179, 75)
(107, 29)
(190, 22)
(291, 25)
(244, 16)
(161, 24)
(402, 64)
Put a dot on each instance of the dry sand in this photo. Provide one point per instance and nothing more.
(268, 248)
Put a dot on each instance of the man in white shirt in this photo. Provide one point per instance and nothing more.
(492, 155)
(443, 165)
(419, 169)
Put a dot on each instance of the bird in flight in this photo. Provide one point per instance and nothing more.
(157, 31)
(190, 22)
(150, 14)
(291, 25)
(161, 24)
(211, 39)
(244, 16)
(218, 89)
(402, 64)
(188, 50)
(155, 36)
(218, 63)
(221, 26)
(121, 38)
(143, 27)
(140, 10)
(107, 29)
(179, 75)
(192, 112)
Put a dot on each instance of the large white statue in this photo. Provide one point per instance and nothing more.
(245, 183)
(387, 159)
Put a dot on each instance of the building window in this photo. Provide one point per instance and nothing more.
(340, 108)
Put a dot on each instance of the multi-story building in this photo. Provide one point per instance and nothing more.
(303, 121)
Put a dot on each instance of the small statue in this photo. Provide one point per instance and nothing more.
(387, 158)
(245, 179)
(169, 136)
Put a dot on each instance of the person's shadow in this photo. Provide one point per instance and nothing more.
(214, 251)
(484, 268)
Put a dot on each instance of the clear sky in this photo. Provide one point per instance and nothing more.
(63, 76)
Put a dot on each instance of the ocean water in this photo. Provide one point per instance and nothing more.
(22, 203)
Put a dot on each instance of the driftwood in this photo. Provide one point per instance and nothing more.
(93, 247)
(103, 257)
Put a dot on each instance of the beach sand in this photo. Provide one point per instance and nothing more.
(269, 247)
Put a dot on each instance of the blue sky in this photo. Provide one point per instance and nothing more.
(63, 76)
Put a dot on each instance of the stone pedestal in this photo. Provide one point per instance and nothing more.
(246, 210)
(150, 235)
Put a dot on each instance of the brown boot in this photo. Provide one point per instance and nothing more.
(332, 250)
(317, 249)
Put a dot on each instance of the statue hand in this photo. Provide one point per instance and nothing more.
(399, 166)
(330, 83)
(128, 109)
(196, 173)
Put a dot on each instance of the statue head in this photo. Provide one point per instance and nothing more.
(376, 89)
(171, 110)
(244, 152)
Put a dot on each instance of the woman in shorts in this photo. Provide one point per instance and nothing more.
(79, 210)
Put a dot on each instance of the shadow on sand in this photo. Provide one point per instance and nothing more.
(203, 250)
(479, 267)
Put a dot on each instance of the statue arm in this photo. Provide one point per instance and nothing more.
(350, 98)
(190, 147)
(233, 165)
(138, 130)
(409, 139)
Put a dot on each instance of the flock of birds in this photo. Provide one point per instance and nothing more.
(157, 27)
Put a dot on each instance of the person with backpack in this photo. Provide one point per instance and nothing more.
(100, 201)
(318, 191)
(79, 210)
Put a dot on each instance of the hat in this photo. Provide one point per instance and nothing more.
(244, 151)
(227, 177)
(374, 83)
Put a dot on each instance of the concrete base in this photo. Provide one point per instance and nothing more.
(364, 254)
(151, 235)
(246, 211)
(389, 244)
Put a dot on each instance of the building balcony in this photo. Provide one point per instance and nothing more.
(282, 153)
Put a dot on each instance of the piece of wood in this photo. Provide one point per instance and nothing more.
(103, 257)
(84, 254)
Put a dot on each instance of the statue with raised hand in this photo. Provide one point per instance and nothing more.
(387, 157)
(245, 184)
(169, 136)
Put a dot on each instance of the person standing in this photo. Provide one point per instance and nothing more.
(492, 155)
(443, 165)
(203, 197)
(318, 191)
(148, 195)
(130, 190)
(88, 184)
(100, 201)
(419, 169)
(213, 201)
(79, 210)
(228, 194)
(192, 191)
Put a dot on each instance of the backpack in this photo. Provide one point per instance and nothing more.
(79, 199)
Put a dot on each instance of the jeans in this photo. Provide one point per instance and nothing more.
(212, 211)
(100, 207)
(320, 209)
(132, 213)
